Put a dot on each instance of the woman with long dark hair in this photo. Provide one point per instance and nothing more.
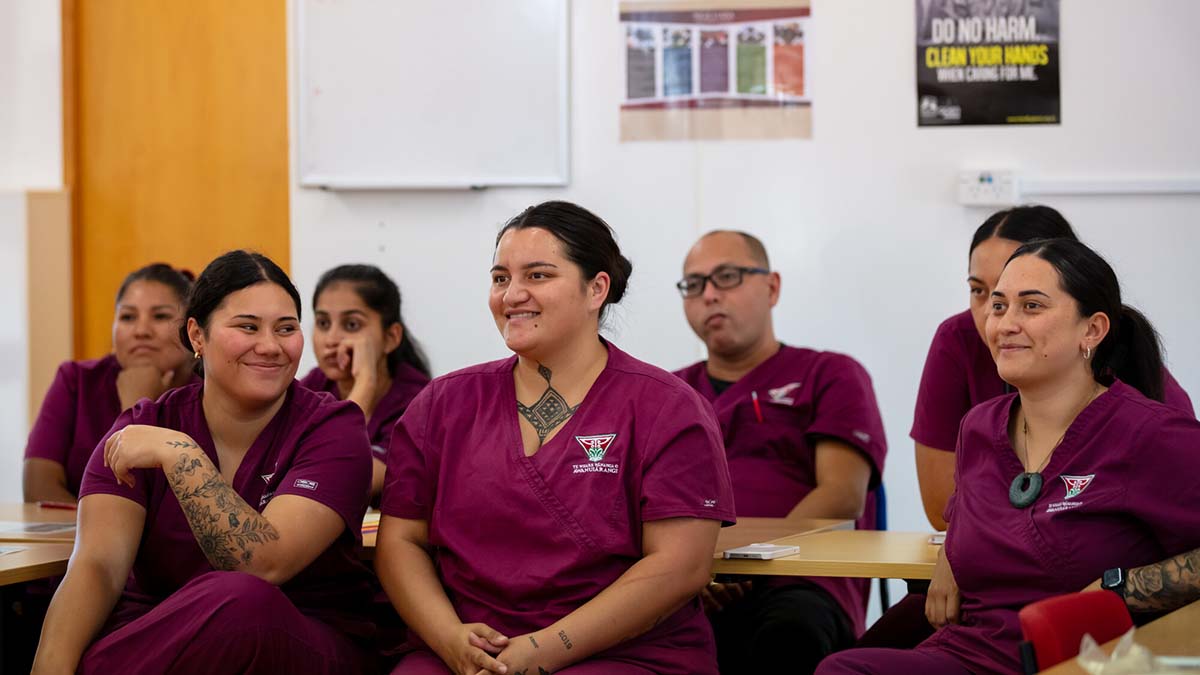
(1080, 471)
(365, 353)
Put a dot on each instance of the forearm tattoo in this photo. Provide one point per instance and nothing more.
(550, 410)
(1164, 586)
(562, 635)
(225, 526)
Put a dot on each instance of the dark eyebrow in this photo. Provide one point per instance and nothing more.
(499, 268)
(354, 311)
(975, 279)
(538, 263)
(248, 316)
(1031, 292)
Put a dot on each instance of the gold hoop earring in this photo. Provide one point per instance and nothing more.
(1087, 353)
(196, 356)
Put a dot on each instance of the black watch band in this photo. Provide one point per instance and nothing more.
(1114, 580)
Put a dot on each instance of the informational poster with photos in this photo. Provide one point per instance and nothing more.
(987, 62)
(695, 72)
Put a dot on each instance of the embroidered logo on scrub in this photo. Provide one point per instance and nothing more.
(780, 394)
(267, 477)
(595, 448)
(1076, 484)
(305, 483)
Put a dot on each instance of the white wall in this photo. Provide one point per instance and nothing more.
(14, 344)
(30, 158)
(30, 94)
(861, 221)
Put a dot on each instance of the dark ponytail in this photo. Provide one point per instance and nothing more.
(1023, 224)
(381, 294)
(1131, 351)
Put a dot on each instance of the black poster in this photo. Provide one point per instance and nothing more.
(987, 62)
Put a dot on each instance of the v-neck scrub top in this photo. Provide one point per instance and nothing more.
(520, 542)
(1121, 490)
(803, 396)
(315, 447)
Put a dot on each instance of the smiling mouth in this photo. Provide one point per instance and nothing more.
(521, 315)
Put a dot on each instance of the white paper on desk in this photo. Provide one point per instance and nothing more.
(19, 527)
(4, 550)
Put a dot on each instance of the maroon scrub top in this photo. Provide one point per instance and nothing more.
(78, 410)
(315, 447)
(523, 541)
(803, 396)
(1121, 490)
(407, 382)
(960, 374)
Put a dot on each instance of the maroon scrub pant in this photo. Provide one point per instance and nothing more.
(425, 662)
(222, 622)
(890, 661)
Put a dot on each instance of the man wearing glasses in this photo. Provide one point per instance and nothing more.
(803, 437)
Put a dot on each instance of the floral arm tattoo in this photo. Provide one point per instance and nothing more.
(227, 529)
(1165, 585)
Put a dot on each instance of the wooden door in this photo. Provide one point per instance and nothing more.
(177, 142)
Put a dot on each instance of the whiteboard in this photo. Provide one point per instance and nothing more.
(411, 94)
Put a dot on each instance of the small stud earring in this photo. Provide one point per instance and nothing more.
(196, 356)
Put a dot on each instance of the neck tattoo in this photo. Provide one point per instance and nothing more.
(550, 410)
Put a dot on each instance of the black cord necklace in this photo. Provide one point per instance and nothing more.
(1027, 486)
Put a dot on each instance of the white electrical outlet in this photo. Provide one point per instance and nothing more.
(988, 187)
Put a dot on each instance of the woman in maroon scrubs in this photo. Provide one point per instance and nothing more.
(86, 396)
(218, 525)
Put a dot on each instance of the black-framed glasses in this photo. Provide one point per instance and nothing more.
(724, 278)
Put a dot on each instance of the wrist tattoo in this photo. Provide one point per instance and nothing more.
(562, 635)
(541, 671)
(181, 444)
(535, 644)
(549, 411)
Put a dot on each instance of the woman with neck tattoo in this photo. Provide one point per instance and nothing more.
(572, 493)
(1081, 474)
(218, 525)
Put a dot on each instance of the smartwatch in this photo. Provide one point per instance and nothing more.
(1114, 580)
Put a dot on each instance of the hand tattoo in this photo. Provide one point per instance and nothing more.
(541, 671)
(225, 526)
(1166, 585)
(181, 444)
(550, 410)
(535, 644)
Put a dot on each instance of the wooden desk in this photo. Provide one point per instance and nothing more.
(1176, 634)
(37, 561)
(853, 553)
(763, 530)
(32, 513)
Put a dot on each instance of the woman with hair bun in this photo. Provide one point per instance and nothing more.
(218, 526)
(86, 396)
(572, 493)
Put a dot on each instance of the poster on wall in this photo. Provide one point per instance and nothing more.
(987, 62)
(695, 72)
